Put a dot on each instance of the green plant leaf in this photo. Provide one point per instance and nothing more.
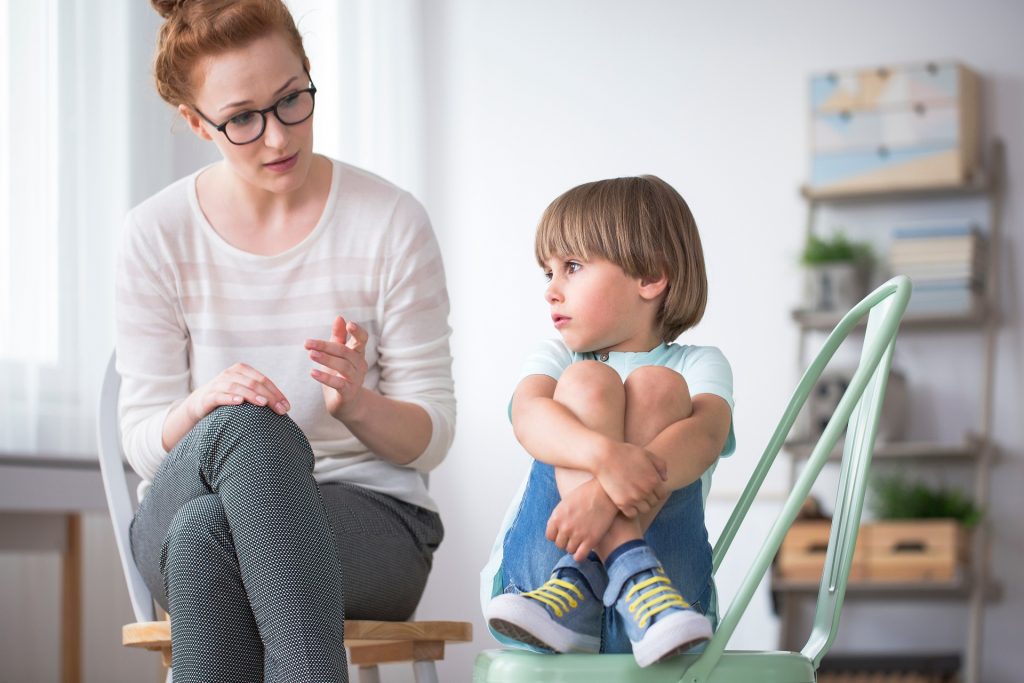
(896, 498)
(837, 249)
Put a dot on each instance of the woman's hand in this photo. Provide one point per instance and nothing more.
(240, 383)
(582, 519)
(344, 360)
(633, 477)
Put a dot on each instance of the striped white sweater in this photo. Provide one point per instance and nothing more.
(190, 305)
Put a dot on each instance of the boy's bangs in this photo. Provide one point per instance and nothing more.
(562, 233)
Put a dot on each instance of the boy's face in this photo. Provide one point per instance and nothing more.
(596, 306)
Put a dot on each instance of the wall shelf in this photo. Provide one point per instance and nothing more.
(957, 589)
(967, 451)
(826, 321)
(978, 184)
(974, 587)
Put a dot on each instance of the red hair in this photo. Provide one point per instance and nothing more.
(196, 29)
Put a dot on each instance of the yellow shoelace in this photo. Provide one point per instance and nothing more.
(660, 597)
(558, 595)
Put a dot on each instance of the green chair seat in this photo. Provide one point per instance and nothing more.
(739, 666)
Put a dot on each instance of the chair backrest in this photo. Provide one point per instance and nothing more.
(115, 483)
(858, 413)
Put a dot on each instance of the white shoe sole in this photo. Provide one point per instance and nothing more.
(524, 620)
(671, 635)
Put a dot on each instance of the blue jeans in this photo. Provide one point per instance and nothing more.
(677, 536)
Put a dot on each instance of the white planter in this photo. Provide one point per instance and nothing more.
(832, 287)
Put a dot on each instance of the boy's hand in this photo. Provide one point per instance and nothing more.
(582, 519)
(633, 477)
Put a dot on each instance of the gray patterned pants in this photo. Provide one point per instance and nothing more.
(250, 556)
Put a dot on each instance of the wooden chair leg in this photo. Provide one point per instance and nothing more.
(71, 603)
(369, 674)
(424, 672)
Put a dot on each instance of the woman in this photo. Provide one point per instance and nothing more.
(278, 499)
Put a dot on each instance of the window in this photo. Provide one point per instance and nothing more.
(28, 183)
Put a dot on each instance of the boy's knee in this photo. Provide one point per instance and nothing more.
(589, 381)
(658, 388)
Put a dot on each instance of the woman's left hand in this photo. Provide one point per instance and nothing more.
(343, 358)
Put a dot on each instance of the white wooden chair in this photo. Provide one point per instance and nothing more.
(370, 643)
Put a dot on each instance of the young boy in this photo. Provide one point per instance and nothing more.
(605, 548)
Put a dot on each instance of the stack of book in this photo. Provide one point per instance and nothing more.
(946, 264)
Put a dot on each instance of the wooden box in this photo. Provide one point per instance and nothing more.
(802, 555)
(894, 127)
(925, 550)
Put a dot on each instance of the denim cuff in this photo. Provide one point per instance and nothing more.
(628, 565)
(591, 570)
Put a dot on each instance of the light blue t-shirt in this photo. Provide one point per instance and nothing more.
(704, 368)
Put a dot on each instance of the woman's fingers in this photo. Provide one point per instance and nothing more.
(252, 392)
(348, 340)
(338, 330)
(357, 338)
(256, 381)
(333, 348)
(336, 382)
(342, 367)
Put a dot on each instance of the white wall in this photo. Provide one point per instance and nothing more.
(526, 99)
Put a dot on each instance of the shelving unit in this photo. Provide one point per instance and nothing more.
(976, 449)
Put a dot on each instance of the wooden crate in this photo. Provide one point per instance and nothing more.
(874, 677)
(802, 555)
(930, 550)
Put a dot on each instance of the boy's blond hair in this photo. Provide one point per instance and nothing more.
(642, 225)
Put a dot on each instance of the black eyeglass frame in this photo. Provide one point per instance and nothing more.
(263, 115)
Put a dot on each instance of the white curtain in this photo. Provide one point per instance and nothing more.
(64, 188)
(367, 63)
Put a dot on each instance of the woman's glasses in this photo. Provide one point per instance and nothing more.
(248, 126)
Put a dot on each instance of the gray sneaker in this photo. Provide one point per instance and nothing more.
(563, 615)
(659, 622)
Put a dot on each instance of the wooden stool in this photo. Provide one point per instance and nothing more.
(369, 643)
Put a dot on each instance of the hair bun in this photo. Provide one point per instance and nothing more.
(166, 8)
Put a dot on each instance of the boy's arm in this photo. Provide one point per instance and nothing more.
(551, 433)
(691, 445)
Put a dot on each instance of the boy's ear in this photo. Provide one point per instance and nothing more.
(653, 287)
(194, 122)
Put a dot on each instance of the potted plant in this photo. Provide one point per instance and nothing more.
(836, 272)
(894, 497)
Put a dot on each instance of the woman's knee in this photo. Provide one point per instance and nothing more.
(198, 534)
(245, 415)
(252, 432)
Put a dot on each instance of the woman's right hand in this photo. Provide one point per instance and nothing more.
(633, 477)
(237, 384)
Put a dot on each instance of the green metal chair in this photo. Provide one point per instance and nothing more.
(859, 408)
